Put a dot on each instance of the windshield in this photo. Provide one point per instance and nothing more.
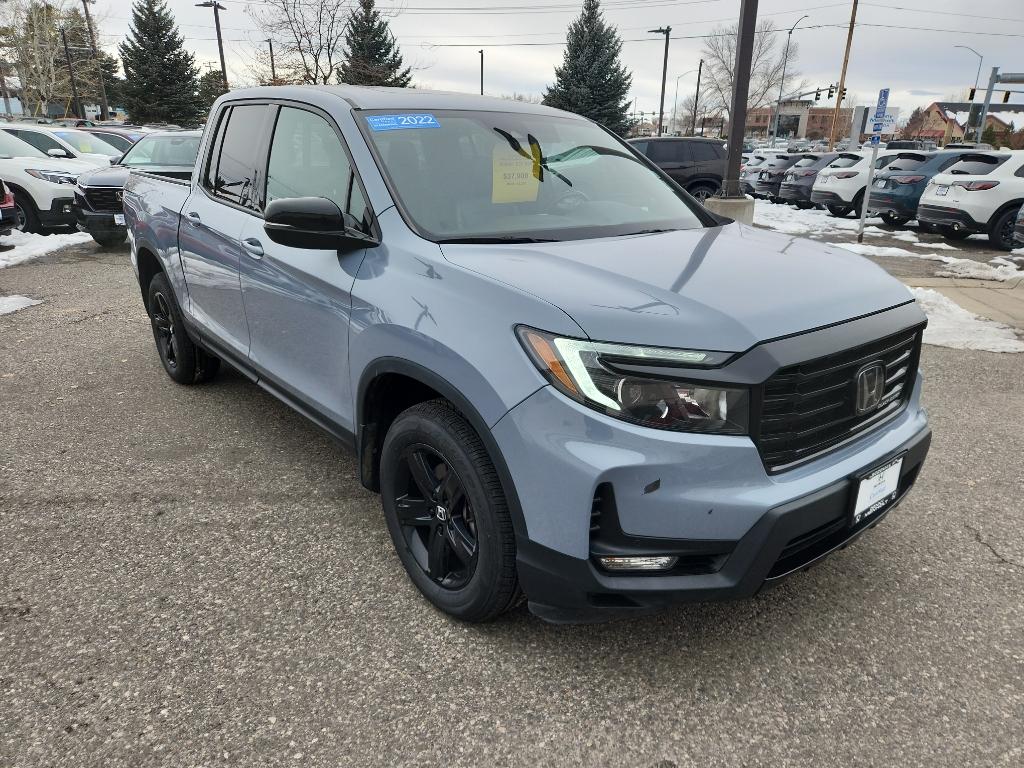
(84, 142)
(14, 147)
(472, 176)
(163, 150)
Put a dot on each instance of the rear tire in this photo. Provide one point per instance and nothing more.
(894, 220)
(26, 218)
(1000, 234)
(447, 514)
(839, 211)
(181, 358)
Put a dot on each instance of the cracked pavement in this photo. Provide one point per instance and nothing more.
(194, 577)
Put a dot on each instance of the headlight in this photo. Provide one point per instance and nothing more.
(54, 177)
(586, 371)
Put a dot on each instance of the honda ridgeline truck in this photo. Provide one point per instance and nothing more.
(566, 379)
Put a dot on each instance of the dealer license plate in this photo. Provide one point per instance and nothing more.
(877, 490)
(119, 219)
(941, 190)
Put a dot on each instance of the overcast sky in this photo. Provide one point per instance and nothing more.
(908, 47)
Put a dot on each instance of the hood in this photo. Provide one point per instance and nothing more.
(111, 176)
(722, 288)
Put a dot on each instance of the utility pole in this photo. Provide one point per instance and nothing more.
(71, 74)
(664, 75)
(782, 82)
(842, 78)
(981, 59)
(740, 93)
(273, 72)
(104, 107)
(696, 96)
(481, 71)
(217, 8)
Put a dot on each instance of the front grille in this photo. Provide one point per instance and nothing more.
(809, 408)
(104, 199)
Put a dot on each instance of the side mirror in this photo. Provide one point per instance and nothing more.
(116, 159)
(58, 152)
(314, 223)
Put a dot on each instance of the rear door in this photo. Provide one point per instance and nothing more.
(673, 157)
(212, 219)
(708, 159)
(298, 301)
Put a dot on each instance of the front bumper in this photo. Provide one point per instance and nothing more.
(59, 214)
(96, 222)
(947, 216)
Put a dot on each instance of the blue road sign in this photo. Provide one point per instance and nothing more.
(883, 102)
(876, 140)
(876, 128)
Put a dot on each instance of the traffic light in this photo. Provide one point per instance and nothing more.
(842, 95)
(817, 95)
(970, 96)
(831, 91)
(1006, 97)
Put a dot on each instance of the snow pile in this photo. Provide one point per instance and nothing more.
(936, 246)
(997, 269)
(873, 250)
(10, 304)
(30, 246)
(794, 221)
(950, 325)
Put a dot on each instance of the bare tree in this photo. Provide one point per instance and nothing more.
(308, 38)
(31, 26)
(766, 68)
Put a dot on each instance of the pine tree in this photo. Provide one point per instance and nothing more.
(160, 75)
(591, 81)
(211, 86)
(371, 54)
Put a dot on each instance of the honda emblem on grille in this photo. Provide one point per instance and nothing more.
(119, 196)
(870, 387)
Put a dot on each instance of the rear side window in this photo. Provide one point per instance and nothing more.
(703, 150)
(845, 161)
(669, 152)
(307, 159)
(231, 174)
(977, 165)
(907, 161)
(39, 140)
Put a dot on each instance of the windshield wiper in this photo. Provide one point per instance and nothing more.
(502, 239)
(647, 232)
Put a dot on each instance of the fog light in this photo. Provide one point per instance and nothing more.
(658, 563)
(66, 209)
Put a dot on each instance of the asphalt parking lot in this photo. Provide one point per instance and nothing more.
(194, 577)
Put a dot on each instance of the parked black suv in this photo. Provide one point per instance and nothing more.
(697, 164)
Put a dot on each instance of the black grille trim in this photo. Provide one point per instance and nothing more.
(807, 409)
(104, 199)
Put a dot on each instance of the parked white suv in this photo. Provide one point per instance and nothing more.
(840, 185)
(982, 193)
(43, 186)
(69, 142)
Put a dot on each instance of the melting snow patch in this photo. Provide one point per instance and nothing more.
(937, 246)
(794, 221)
(10, 304)
(950, 325)
(873, 250)
(998, 269)
(30, 246)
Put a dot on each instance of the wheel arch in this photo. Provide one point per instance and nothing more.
(376, 411)
(1001, 210)
(149, 266)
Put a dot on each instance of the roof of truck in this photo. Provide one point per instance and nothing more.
(365, 97)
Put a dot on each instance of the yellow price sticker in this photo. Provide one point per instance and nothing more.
(513, 177)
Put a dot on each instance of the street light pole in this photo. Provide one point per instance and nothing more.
(740, 92)
(104, 107)
(664, 76)
(481, 71)
(675, 100)
(977, 77)
(842, 78)
(71, 74)
(217, 8)
(273, 72)
(696, 96)
(782, 82)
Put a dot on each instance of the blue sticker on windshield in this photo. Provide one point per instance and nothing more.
(400, 122)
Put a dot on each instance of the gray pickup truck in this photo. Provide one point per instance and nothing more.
(567, 379)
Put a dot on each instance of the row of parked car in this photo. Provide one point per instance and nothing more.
(59, 176)
(954, 192)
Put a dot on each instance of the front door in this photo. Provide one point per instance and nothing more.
(298, 301)
(212, 221)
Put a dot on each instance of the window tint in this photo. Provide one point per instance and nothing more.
(845, 161)
(40, 141)
(805, 162)
(977, 165)
(234, 162)
(163, 150)
(907, 161)
(1020, 172)
(640, 146)
(669, 152)
(86, 142)
(703, 150)
(118, 142)
(755, 160)
(884, 162)
(948, 162)
(308, 160)
(11, 146)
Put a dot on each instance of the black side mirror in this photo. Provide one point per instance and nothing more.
(116, 159)
(312, 222)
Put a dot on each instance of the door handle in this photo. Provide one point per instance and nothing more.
(253, 247)
(193, 218)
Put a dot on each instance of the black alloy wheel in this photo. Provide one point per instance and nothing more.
(435, 517)
(163, 329)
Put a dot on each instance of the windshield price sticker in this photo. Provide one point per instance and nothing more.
(513, 176)
(402, 122)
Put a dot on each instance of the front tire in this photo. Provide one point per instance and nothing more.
(26, 218)
(447, 514)
(181, 358)
(702, 192)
